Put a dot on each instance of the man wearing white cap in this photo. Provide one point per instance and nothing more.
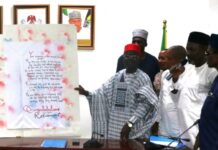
(75, 19)
(148, 63)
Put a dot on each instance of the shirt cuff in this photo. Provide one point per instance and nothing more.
(89, 96)
(133, 119)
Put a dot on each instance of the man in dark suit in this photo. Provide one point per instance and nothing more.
(148, 63)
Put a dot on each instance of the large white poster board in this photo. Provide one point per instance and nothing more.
(39, 71)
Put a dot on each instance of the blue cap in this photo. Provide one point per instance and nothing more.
(214, 42)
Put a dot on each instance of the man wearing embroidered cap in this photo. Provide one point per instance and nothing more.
(119, 108)
(208, 127)
(148, 63)
(75, 19)
(194, 84)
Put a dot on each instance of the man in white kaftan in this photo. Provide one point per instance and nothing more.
(194, 85)
(128, 97)
(169, 94)
(169, 123)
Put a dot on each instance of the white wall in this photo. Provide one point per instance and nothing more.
(115, 20)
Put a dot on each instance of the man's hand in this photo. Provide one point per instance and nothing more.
(82, 91)
(196, 145)
(124, 135)
(155, 128)
(176, 73)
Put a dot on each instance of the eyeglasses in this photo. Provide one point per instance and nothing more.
(207, 53)
(138, 42)
(132, 57)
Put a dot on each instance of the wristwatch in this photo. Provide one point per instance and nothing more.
(130, 124)
(131, 121)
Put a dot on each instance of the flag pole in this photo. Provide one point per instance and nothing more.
(164, 36)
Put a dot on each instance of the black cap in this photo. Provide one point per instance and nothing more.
(199, 37)
(214, 42)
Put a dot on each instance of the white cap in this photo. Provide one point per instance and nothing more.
(140, 33)
(74, 14)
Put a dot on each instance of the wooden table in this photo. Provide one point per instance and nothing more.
(34, 143)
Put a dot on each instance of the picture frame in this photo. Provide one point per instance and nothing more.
(1, 19)
(31, 14)
(83, 17)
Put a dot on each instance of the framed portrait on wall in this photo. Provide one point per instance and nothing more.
(31, 14)
(1, 19)
(83, 17)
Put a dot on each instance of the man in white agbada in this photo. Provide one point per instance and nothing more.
(126, 105)
(169, 94)
(194, 85)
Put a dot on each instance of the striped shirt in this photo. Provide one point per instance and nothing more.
(119, 99)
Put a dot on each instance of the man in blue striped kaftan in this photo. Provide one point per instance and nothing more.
(126, 105)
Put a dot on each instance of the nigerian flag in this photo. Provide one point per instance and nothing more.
(164, 36)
